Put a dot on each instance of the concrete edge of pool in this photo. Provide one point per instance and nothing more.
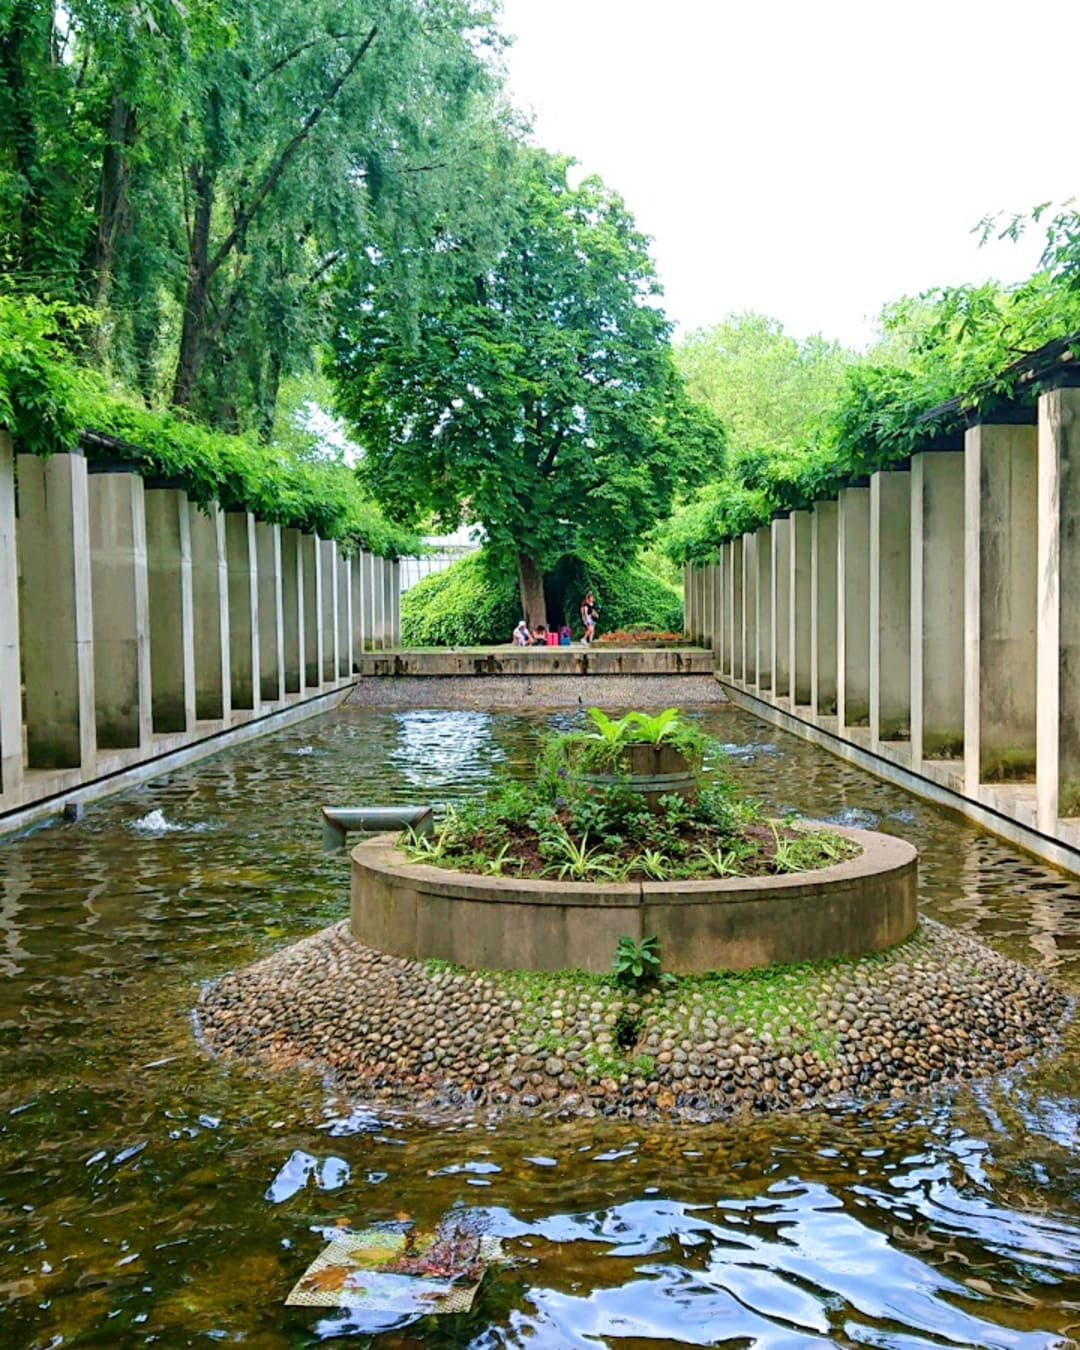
(421, 912)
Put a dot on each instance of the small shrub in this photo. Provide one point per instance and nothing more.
(636, 963)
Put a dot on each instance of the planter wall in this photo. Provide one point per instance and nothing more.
(431, 913)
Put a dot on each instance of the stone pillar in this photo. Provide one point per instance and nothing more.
(311, 555)
(268, 569)
(801, 606)
(172, 614)
(374, 601)
(1000, 604)
(11, 738)
(781, 607)
(388, 602)
(763, 595)
(890, 607)
(729, 608)
(688, 601)
(823, 609)
(245, 678)
(718, 611)
(750, 609)
(294, 633)
(853, 608)
(210, 586)
(937, 606)
(344, 615)
(121, 610)
(328, 612)
(738, 669)
(56, 608)
(1058, 718)
(356, 585)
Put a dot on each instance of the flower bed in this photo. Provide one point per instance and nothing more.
(641, 637)
(628, 800)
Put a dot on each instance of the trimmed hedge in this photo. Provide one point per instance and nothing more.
(473, 604)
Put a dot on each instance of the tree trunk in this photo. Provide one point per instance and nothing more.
(531, 588)
(197, 299)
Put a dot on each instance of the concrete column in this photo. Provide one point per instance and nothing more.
(718, 608)
(763, 596)
(328, 611)
(750, 609)
(172, 615)
(121, 610)
(937, 606)
(11, 739)
(210, 587)
(781, 607)
(890, 607)
(738, 670)
(823, 609)
(311, 555)
(271, 611)
(388, 602)
(1000, 604)
(688, 601)
(344, 615)
(292, 609)
(243, 587)
(56, 608)
(373, 603)
(356, 587)
(1058, 718)
(853, 608)
(801, 606)
(730, 631)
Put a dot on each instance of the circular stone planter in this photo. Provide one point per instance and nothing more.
(421, 912)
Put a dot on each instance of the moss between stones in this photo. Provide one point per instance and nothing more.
(937, 1007)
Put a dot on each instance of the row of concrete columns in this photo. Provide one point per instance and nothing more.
(133, 621)
(929, 614)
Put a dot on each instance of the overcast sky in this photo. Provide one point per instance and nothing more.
(810, 160)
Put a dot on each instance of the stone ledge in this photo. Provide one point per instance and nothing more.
(421, 912)
(508, 660)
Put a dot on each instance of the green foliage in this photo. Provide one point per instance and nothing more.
(42, 392)
(48, 401)
(197, 171)
(961, 343)
(536, 393)
(469, 604)
(475, 601)
(636, 964)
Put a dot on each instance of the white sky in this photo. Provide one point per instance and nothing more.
(809, 160)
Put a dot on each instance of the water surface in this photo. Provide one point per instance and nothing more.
(151, 1195)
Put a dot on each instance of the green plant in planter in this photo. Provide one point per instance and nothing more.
(636, 963)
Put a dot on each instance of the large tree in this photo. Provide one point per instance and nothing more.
(197, 170)
(534, 391)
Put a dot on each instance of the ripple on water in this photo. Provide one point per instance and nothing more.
(126, 1215)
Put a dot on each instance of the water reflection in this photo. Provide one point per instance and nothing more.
(147, 1193)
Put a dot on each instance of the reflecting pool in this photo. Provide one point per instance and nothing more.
(151, 1195)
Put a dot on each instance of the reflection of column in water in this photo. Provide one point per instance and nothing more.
(966, 901)
(14, 884)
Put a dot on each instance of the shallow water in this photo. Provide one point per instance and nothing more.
(150, 1195)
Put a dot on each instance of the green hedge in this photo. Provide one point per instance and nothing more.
(50, 403)
(473, 604)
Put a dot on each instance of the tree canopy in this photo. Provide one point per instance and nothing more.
(535, 393)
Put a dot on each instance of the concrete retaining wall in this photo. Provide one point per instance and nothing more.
(138, 630)
(499, 923)
(938, 604)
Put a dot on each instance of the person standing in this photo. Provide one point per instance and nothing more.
(589, 614)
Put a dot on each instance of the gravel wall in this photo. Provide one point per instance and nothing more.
(536, 691)
(938, 1007)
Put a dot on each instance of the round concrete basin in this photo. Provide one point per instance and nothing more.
(414, 910)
